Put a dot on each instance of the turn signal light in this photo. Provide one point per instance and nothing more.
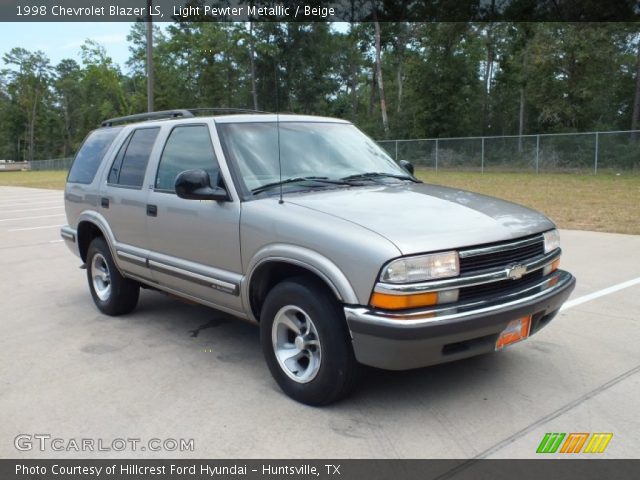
(552, 267)
(403, 302)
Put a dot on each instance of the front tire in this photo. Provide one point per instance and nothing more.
(112, 293)
(306, 343)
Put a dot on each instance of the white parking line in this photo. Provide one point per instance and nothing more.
(25, 191)
(32, 228)
(31, 209)
(13, 196)
(4, 193)
(31, 191)
(21, 198)
(29, 204)
(20, 201)
(600, 293)
(30, 218)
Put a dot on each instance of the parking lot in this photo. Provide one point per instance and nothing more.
(174, 370)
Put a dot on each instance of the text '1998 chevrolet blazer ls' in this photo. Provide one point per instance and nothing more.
(306, 227)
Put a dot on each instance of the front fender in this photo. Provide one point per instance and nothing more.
(313, 261)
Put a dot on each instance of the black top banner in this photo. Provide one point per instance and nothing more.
(320, 11)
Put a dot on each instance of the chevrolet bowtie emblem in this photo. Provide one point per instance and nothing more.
(517, 271)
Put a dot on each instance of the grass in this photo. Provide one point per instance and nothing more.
(53, 179)
(604, 202)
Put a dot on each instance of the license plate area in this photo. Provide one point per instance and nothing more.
(516, 331)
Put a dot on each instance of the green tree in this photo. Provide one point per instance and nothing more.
(103, 94)
(444, 89)
(67, 87)
(28, 81)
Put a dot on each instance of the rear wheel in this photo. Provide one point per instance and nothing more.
(112, 293)
(306, 343)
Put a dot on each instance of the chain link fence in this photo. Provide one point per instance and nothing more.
(590, 152)
(51, 164)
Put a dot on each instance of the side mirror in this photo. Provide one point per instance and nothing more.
(196, 185)
(407, 165)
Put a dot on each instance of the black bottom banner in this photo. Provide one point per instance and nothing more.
(321, 469)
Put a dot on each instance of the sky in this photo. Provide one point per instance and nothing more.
(59, 40)
(63, 40)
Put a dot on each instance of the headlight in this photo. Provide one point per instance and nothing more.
(551, 240)
(421, 268)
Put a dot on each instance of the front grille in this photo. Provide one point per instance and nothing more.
(502, 287)
(500, 258)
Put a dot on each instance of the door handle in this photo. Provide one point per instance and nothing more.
(152, 210)
(104, 202)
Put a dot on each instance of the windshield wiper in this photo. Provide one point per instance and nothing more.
(372, 175)
(322, 180)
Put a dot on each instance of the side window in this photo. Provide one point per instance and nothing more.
(131, 162)
(114, 173)
(88, 159)
(188, 147)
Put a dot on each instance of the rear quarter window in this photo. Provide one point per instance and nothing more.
(130, 164)
(88, 158)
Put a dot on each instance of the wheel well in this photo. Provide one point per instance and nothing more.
(270, 274)
(87, 231)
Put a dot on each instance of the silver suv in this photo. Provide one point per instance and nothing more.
(304, 226)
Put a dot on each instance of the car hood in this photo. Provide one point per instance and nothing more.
(422, 218)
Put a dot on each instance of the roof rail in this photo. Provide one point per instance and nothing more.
(224, 110)
(147, 116)
(168, 114)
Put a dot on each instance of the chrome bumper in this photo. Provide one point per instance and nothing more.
(416, 338)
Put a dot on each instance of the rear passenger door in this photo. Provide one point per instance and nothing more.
(194, 245)
(123, 199)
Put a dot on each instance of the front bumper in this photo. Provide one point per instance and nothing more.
(413, 339)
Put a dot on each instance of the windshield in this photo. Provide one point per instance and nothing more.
(330, 151)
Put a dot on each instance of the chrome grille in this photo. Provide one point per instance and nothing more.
(500, 255)
(498, 288)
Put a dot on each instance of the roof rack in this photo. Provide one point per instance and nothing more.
(195, 111)
(168, 114)
(147, 116)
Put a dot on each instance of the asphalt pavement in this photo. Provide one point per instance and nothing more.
(174, 371)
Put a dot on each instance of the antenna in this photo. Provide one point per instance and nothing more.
(279, 160)
(275, 77)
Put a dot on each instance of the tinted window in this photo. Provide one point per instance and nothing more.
(135, 159)
(114, 173)
(187, 148)
(90, 155)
